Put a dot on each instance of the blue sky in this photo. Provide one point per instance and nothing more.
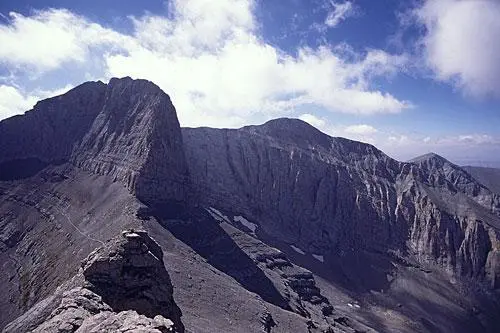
(407, 76)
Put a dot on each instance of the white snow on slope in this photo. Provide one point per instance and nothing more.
(245, 222)
(318, 257)
(298, 250)
(216, 214)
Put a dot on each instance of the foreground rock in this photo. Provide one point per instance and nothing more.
(122, 286)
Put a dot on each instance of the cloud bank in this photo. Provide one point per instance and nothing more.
(209, 56)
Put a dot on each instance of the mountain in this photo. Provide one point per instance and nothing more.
(277, 227)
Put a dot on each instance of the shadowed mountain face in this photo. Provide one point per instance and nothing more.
(490, 177)
(322, 234)
(339, 198)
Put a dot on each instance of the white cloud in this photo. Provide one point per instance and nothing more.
(477, 139)
(361, 129)
(210, 58)
(339, 12)
(50, 38)
(359, 132)
(313, 120)
(462, 148)
(461, 43)
(13, 101)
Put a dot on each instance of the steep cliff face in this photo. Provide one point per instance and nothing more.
(339, 198)
(136, 139)
(303, 189)
(455, 220)
(127, 129)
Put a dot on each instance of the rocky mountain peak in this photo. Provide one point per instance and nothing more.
(129, 274)
(84, 90)
(127, 129)
(438, 171)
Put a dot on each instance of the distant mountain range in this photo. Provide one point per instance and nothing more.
(114, 217)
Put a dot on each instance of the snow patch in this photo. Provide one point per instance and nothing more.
(245, 222)
(296, 249)
(318, 257)
(216, 214)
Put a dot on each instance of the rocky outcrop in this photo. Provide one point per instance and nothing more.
(81, 310)
(128, 273)
(127, 129)
(122, 286)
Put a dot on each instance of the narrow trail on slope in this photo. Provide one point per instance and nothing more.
(77, 229)
(70, 221)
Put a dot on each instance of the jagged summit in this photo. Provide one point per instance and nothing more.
(90, 88)
(143, 85)
(86, 88)
(287, 125)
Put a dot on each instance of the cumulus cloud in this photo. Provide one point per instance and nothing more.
(210, 58)
(339, 12)
(461, 43)
(50, 38)
(13, 102)
(477, 139)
